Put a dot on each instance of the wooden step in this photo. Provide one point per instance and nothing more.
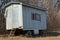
(12, 32)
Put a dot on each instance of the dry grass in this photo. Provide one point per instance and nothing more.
(47, 36)
(30, 38)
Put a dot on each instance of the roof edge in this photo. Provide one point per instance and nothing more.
(24, 4)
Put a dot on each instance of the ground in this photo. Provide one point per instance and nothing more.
(47, 36)
(25, 38)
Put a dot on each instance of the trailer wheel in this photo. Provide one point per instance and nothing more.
(29, 33)
(42, 33)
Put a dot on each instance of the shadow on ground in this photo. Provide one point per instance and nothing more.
(46, 34)
(52, 34)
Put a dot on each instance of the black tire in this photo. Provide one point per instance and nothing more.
(42, 32)
(18, 32)
(29, 33)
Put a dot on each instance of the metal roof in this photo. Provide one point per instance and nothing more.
(24, 4)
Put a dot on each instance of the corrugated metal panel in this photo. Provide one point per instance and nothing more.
(30, 24)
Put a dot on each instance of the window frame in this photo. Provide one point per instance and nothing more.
(35, 15)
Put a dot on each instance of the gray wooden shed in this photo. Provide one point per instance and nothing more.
(25, 17)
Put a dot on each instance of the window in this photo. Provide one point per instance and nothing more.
(36, 17)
